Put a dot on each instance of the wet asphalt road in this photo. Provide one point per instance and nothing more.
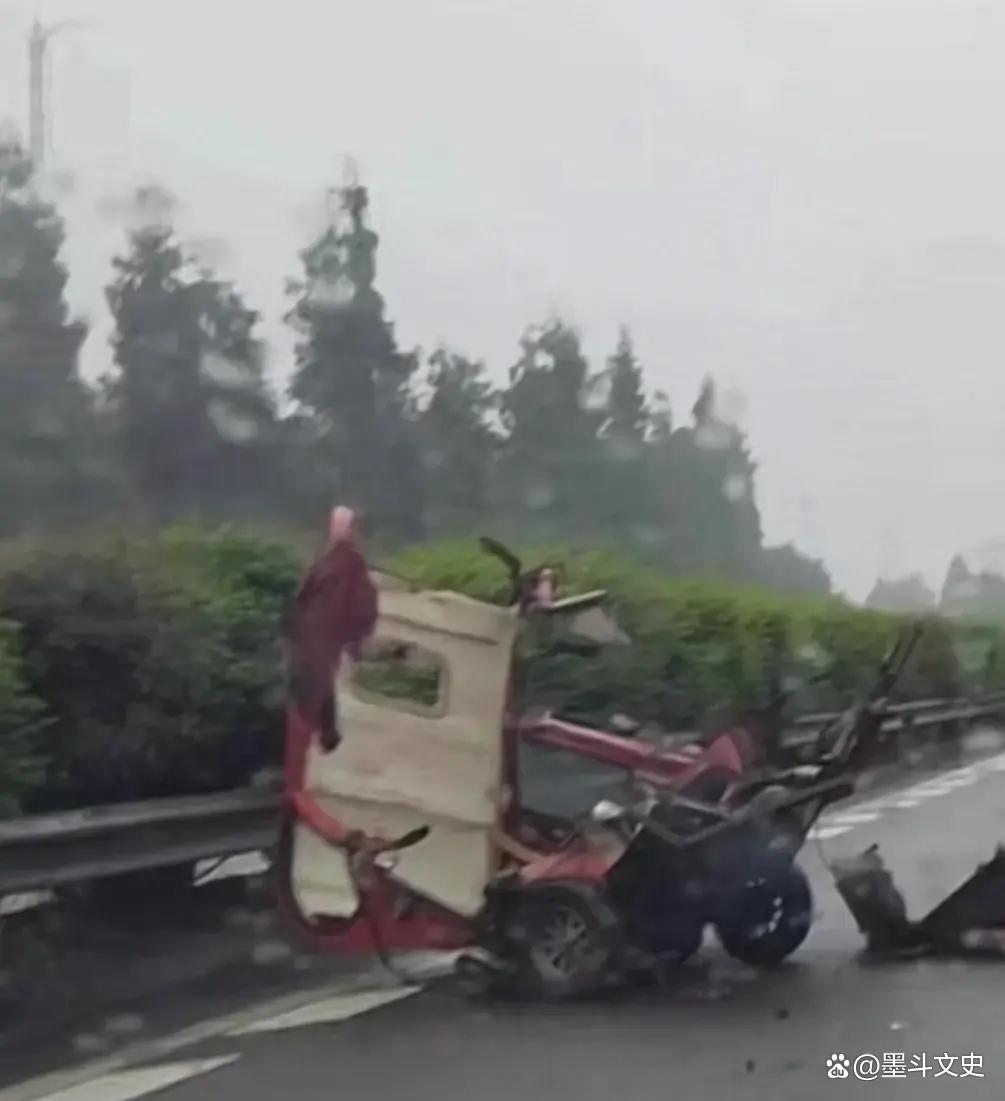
(722, 1033)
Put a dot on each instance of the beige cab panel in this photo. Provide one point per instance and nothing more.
(433, 759)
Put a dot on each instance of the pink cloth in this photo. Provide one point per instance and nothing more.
(335, 610)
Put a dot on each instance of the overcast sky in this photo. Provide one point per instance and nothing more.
(805, 198)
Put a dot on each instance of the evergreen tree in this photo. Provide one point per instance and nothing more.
(626, 504)
(193, 417)
(712, 522)
(48, 463)
(627, 413)
(551, 453)
(459, 444)
(352, 382)
(787, 569)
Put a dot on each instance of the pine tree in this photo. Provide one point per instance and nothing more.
(627, 412)
(711, 519)
(551, 453)
(352, 382)
(194, 420)
(48, 462)
(459, 444)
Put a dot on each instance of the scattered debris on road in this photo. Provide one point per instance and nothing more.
(969, 921)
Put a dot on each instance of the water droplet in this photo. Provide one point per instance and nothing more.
(125, 1024)
(233, 426)
(212, 252)
(89, 1044)
(10, 265)
(539, 496)
(221, 370)
(713, 436)
(623, 450)
(735, 487)
(238, 918)
(984, 739)
(646, 535)
(327, 293)
(270, 951)
(597, 394)
(731, 406)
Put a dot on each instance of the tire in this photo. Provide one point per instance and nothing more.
(768, 921)
(566, 940)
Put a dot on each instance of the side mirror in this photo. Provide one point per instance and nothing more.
(606, 811)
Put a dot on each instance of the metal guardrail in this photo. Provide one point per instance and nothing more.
(54, 850)
(912, 715)
(43, 852)
(986, 704)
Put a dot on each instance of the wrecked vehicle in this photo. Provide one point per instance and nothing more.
(422, 824)
(634, 892)
(971, 920)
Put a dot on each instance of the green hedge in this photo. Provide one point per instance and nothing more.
(157, 660)
(150, 665)
(701, 647)
(22, 762)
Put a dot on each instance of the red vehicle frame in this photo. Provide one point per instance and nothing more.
(391, 919)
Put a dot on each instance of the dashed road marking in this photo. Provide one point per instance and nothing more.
(853, 818)
(340, 1007)
(128, 1084)
(64, 1085)
(823, 832)
(837, 822)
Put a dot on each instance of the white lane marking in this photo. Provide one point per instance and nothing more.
(147, 1051)
(867, 807)
(927, 791)
(932, 793)
(14, 904)
(822, 833)
(852, 818)
(127, 1084)
(904, 804)
(327, 1011)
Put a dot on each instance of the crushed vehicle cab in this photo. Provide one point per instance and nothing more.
(430, 758)
(430, 814)
(390, 839)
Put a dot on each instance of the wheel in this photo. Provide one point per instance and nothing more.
(566, 941)
(768, 921)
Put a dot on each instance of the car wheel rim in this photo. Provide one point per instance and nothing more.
(564, 946)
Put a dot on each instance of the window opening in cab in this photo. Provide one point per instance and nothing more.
(400, 674)
(562, 785)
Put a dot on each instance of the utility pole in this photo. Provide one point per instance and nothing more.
(38, 43)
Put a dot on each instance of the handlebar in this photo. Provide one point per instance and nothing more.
(527, 588)
(514, 567)
(359, 843)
